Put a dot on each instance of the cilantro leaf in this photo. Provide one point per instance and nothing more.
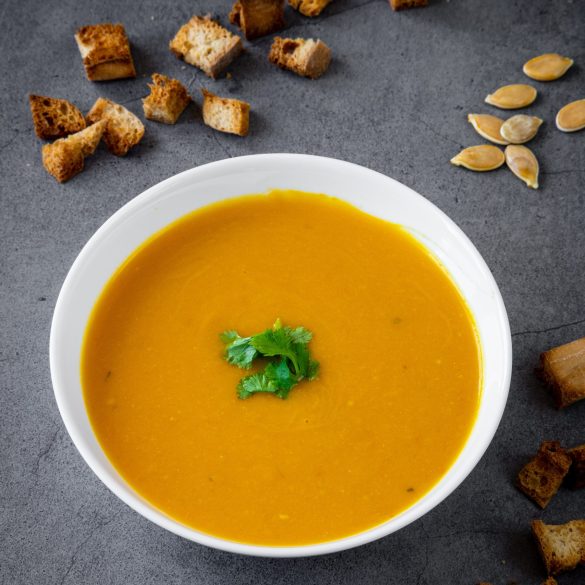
(300, 335)
(279, 376)
(238, 350)
(258, 382)
(313, 370)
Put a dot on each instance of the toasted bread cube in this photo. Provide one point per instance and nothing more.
(123, 131)
(64, 158)
(576, 478)
(541, 478)
(305, 57)
(105, 51)
(309, 7)
(167, 100)
(563, 368)
(404, 4)
(562, 547)
(226, 115)
(54, 118)
(257, 18)
(207, 45)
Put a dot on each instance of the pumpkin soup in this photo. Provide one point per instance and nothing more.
(396, 395)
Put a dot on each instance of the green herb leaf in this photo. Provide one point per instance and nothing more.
(280, 375)
(255, 383)
(238, 350)
(300, 335)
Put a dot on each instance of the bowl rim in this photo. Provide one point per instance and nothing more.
(135, 501)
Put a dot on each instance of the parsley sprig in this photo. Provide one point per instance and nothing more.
(292, 363)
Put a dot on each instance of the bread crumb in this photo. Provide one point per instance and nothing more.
(541, 478)
(309, 7)
(563, 368)
(257, 18)
(123, 131)
(576, 477)
(167, 100)
(54, 117)
(65, 157)
(306, 57)
(205, 44)
(562, 547)
(404, 4)
(105, 51)
(225, 115)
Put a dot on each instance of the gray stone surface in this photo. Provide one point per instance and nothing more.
(395, 99)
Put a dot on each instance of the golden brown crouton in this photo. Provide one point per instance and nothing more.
(257, 18)
(541, 478)
(305, 57)
(576, 478)
(403, 4)
(167, 100)
(562, 547)
(64, 158)
(55, 118)
(563, 368)
(309, 7)
(123, 130)
(105, 51)
(207, 45)
(226, 115)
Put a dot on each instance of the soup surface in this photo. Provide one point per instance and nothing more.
(396, 397)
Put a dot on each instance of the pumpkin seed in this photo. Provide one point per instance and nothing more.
(484, 157)
(572, 117)
(522, 162)
(488, 127)
(520, 129)
(547, 67)
(512, 97)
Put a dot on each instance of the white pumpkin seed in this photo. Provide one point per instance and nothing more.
(512, 97)
(547, 67)
(522, 162)
(484, 157)
(520, 128)
(488, 127)
(572, 117)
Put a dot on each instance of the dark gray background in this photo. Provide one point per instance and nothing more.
(395, 100)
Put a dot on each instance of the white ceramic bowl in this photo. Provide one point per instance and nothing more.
(367, 190)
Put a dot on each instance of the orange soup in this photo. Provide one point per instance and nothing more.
(396, 397)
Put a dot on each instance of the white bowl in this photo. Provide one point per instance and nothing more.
(367, 190)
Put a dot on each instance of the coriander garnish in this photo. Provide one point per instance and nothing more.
(291, 364)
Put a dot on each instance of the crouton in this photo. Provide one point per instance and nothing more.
(562, 547)
(257, 18)
(309, 7)
(226, 115)
(64, 158)
(105, 51)
(541, 478)
(404, 4)
(305, 57)
(563, 368)
(576, 477)
(54, 118)
(167, 100)
(207, 45)
(123, 130)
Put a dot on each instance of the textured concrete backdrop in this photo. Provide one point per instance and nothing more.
(395, 99)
